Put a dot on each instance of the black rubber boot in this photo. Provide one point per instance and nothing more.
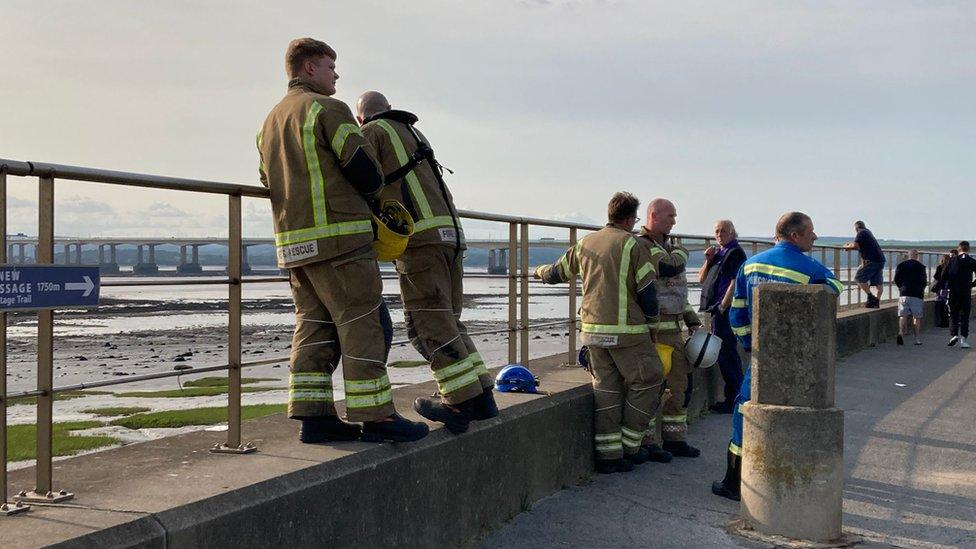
(657, 454)
(395, 428)
(681, 449)
(724, 407)
(320, 429)
(455, 417)
(728, 487)
(483, 407)
(610, 466)
(638, 457)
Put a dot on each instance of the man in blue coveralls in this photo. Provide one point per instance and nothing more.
(785, 263)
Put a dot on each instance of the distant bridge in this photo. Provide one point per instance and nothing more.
(22, 249)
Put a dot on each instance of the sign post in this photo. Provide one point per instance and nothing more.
(43, 288)
(36, 287)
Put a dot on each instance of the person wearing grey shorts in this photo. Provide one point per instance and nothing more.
(910, 278)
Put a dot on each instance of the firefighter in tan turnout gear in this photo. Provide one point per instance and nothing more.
(618, 302)
(430, 269)
(676, 315)
(324, 181)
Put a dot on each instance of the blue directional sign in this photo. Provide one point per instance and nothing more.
(32, 287)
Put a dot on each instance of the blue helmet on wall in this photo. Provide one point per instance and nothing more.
(516, 378)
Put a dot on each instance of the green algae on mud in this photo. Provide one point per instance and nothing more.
(22, 440)
(64, 395)
(193, 392)
(222, 381)
(112, 411)
(198, 416)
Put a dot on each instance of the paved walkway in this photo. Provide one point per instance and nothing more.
(910, 459)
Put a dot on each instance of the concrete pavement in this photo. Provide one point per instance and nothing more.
(910, 468)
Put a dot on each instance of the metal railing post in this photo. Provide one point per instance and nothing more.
(43, 492)
(233, 445)
(524, 290)
(512, 293)
(837, 264)
(5, 507)
(854, 286)
(571, 325)
(755, 248)
(891, 274)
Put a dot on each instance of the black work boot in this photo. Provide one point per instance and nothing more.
(681, 448)
(456, 417)
(728, 487)
(609, 466)
(394, 428)
(320, 429)
(657, 454)
(724, 407)
(638, 457)
(483, 406)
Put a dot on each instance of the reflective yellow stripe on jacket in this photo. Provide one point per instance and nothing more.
(622, 301)
(427, 218)
(322, 228)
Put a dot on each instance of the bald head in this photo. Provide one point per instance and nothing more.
(912, 254)
(371, 103)
(661, 217)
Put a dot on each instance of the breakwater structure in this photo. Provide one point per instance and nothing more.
(173, 492)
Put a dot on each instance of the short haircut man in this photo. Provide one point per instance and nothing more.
(871, 271)
(910, 277)
(964, 246)
(622, 205)
(790, 223)
(303, 49)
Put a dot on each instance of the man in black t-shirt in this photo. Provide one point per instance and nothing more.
(871, 271)
(958, 276)
(910, 278)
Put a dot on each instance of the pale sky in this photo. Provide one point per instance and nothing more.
(741, 109)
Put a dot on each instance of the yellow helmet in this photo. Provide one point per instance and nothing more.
(664, 351)
(391, 230)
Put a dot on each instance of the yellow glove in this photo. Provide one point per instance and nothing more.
(538, 272)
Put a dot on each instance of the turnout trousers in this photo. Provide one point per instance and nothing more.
(672, 415)
(960, 307)
(627, 387)
(432, 290)
(339, 312)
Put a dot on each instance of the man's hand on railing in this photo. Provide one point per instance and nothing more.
(537, 272)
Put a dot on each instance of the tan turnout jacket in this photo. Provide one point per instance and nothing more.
(614, 267)
(431, 207)
(670, 265)
(318, 214)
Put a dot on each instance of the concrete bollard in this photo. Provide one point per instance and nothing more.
(793, 437)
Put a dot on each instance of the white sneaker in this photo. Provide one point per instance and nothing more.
(963, 343)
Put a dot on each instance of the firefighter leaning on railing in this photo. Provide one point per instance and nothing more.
(786, 263)
(430, 269)
(618, 302)
(325, 182)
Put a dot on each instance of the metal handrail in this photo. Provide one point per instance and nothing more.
(518, 274)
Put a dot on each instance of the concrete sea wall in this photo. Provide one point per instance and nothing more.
(441, 491)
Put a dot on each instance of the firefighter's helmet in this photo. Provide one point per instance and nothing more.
(392, 229)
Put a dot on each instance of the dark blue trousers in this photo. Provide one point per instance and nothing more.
(728, 359)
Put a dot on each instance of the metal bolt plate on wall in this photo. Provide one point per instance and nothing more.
(245, 448)
(49, 497)
(8, 509)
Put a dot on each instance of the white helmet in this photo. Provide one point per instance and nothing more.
(702, 349)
